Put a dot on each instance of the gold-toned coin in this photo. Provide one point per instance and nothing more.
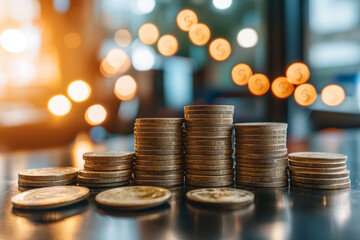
(240, 141)
(133, 197)
(209, 152)
(212, 116)
(158, 125)
(258, 84)
(240, 133)
(208, 138)
(50, 197)
(167, 45)
(221, 197)
(159, 168)
(159, 120)
(210, 162)
(209, 172)
(48, 174)
(30, 183)
(157, 142)
(261, 147)
(157, 129)
(199, 34)
(209, 148)
(104, 185)
(108, 168)
(297, 156)
(208, 108)
(262, 137)
(262, 184)
(220, 49)
(319, 170)
(148, 33)
(158, 139)
(209, 111)
(203, 178)
(268, 165)
(209, 129)
(160, 163)
(333, 95)
(208, 167)
(320, 175)
(208, 157)
(140, 135)
(159, 152)
(322, 186)
(159, 157)
(262, 162)
(208, 124)
(261, 179)
(210, 120)
(305, 94)
(108, 163)
(108, 155)
(298, 73)
(239, 151)
(186, 19)
(241, 74)
(82, 179)
(261, 174)
(282, 87)
(262, 169)
(158, 147)
(318, 181)
(160, 183)
(317, 164)
(268, 126)
(158, 173)
(208, 134)
(209, 184)
(160, 177)
(195, 142)
(99, 174)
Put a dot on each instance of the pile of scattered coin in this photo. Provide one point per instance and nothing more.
(319, 170)
(106, 169)
(208, 145)
(261, 154)
(46, 177)
(159, 151)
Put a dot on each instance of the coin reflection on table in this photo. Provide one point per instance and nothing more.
(185, 19)
(167, 45)
(333, 95)
(241, 74)
(199, 34)
(305, 94)
(220, 49)
(282, 87)
(298, 73)
(148, 33)
(258, 84)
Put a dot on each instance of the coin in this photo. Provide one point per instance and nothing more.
(208, 138)
(261, 169)
(297, 73)
(157, 130)
(333, 95)
(200, 147)
(209, 152)
(209, 129)
(203, 142)
(99, 174)
(156, 142)
(159, 163)
(262, 184)
(208, 124)
(108, 163)
(159, 177)
(305, 94)
(210, 173)
(104, 185)
(261, 147)
(322, 186)
(210, 120)
(221, 197)
(261, 125)
(318, 181)
(208, 167)
(317, 156)
(261, 152)
(209, 184)
(262, 174)
(159, 173)
(160, 183)
(258, 84)
(209, 157)
(317, 164)
(158, 125)
(159, 152)
(158, 139)
(158, 147)
(210, 111)
(320, 175)
(208, 108)
(319, 170)
(159, 168)
(261, 137)
(37, 183)
(159, 120)
(159, 157)
(240, 141)
(102, 180)
(261, 179)
(220, 49)
(282, 87)
(202, 178)
(207, 134)
(108, 155)
(246, 155)
(241, 74)
(159, 134)
(254, 165)
(210, 162)
(108, 168)
(199, 34)
(48, 174)
(211, 116)
(133, 197)
(50, 197)
(186, 19)
(240, 132)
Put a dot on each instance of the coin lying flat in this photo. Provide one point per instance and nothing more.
(208, 157)
(48, 174)
(221, 197)
(159, 163)
(29, 183)
(209, 184)
(322, 186)
(262, 179)
(133, 198)
(208, 107)
(208, 148)
(104, 185)
(280, 173)
(160, 183)
(320, 175)
(262, 184)
(50, 197)
(108, 168)
(159, 157)
(108, 163)
(209, 172)
(108, 155)
(208, 167)
(159, 120)
(81, 179)
(319, 181)
(317, 164)
(204, 178)
(161, 147)
(261, 125)
(99, 174)
(159, 177)
(158, 173)
(319, 170)
(262, 169)
(317, 156)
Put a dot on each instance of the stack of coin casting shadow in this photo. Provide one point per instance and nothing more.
(47, 177)
(318, 170)
(208, 145)
(261, 154)
(159, 151)
(106, 169)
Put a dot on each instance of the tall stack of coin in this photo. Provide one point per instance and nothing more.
(208, 145)
(47, 177)
(261, 154)
(106, 169)
(319, 170)
(159, 151)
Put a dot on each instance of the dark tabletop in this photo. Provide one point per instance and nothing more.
(278, 213)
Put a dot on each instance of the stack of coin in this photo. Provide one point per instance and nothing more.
(319, 170)
(261, 154)
(159, 151)
(106, 169)
(47, 177)
(208, 145)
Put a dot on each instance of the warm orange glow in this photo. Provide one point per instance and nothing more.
(167, 45)
(59, 105)
(116, 57)
(79, 91)
(258, 84)
(333, 95)
(123, 38)
(241, 74)
(95, 115)
(72, 40)
(82, 144)
(199, 34)
(125, 88)
(13, 41)
(305, 94)
(282, 88)
(148, 33)
(298, 73)
(220, 49)
(116, 61)
(185, 19)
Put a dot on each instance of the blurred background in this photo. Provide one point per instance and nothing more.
(74, 70)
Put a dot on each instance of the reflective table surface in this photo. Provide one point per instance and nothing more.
(278, 213)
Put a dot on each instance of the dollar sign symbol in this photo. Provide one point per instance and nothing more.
(305, 95)
(282, 87)
(258, 83)
(188, 20)
(241, 74)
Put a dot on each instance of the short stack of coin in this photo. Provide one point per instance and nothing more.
(208, 145)
(159, 151)
(261, 154)
(319, 170)
(47, 177)
(106, 169)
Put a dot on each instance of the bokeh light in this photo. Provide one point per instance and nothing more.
(333, 95)
(116, 61)
(199, 34)
(79, 91)
(281, 87)
(241, 74)
(72, 40)
(148, 33)
(298, 73)
(222, 4)
(305, 94)
(123, 38)
(145, 6)
(59, 105)
(167, 45)
(185, 19)
(95, 114)
(247, 38)
(258, 84)
(220, 49)
(125, 88)
(143, 58)
(13, 40)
